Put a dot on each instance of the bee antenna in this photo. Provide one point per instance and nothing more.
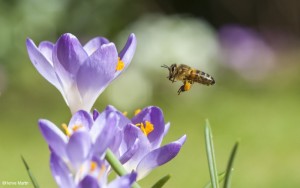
(165, 66)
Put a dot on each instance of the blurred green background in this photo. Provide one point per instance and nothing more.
(251, 48)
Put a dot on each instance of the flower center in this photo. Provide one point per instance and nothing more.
(146, 127)
(120, 65)
(93, 166)
(68, 131)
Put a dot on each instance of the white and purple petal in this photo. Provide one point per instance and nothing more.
(68, 56)
(127, 52)
(81, 118)
(56, 140)
(79, 148)
(89, 182)
(91, 46)
(60, 172)
(96, 73)
(143, 146)
(124, 181)
(107, 134)
(41, 61)
(159, 157)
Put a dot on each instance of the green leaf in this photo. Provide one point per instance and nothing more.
(160, 183)
(32, 178)
(117, 166)
(229, 168)
(220, 178)
(211, 156)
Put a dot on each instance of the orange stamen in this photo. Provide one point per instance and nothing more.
(120, 65)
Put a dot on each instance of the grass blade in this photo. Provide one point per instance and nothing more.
(160, 183)
(211, 156)
(229, 168)
(221, 177)
(32, 178)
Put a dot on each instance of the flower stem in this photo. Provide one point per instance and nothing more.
(117, 166)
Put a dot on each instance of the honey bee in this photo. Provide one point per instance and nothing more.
(188, 76)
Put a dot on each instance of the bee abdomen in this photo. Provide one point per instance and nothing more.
(205, 79)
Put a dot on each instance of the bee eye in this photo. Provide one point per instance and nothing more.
(173, 69)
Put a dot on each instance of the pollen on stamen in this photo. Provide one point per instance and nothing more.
(145, 128)
(65, 128)
(120, 65)
(137, 111)
(76, 127)
(148, 128)
(93, 166)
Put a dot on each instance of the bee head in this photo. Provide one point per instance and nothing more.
(172, 71)
(171, 68)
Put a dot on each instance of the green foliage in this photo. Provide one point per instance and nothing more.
(160, 183)
(31, 176)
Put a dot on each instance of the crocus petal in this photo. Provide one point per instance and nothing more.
(96, 73)
(159, 157)
(155, 116)
(167, 127)
(131, 133)
(123, 119)
(130, 152)
(124, 181)
(68, 56)
(107, 134)
(90, 182)
(54, 137)
(116, 141)
(127, 52)
(81, 118)
(78, 148)
(94, 44)
(42, 63)
(60, 172)
(95, 114)
(46, 48)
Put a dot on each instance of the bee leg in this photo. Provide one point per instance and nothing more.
(173, 79)
(181, 89)
(185, 87)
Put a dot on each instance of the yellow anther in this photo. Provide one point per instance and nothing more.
(65, 127)
(187, 86)
(120, 65)
(147, 128)
(137, 111)
(93, 166)
(102, 171)
(125, 113)
(76, 127)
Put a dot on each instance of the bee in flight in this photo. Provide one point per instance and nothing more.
(188, 76)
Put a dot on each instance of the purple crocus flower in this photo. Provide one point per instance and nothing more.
(77, 157)
(92, 174)
(141, 148)
(80, 73)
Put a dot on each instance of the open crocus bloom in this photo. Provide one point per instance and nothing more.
(80, 73)
(140, 148)
(77, 157)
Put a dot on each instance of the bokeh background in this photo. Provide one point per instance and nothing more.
(250, 47)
